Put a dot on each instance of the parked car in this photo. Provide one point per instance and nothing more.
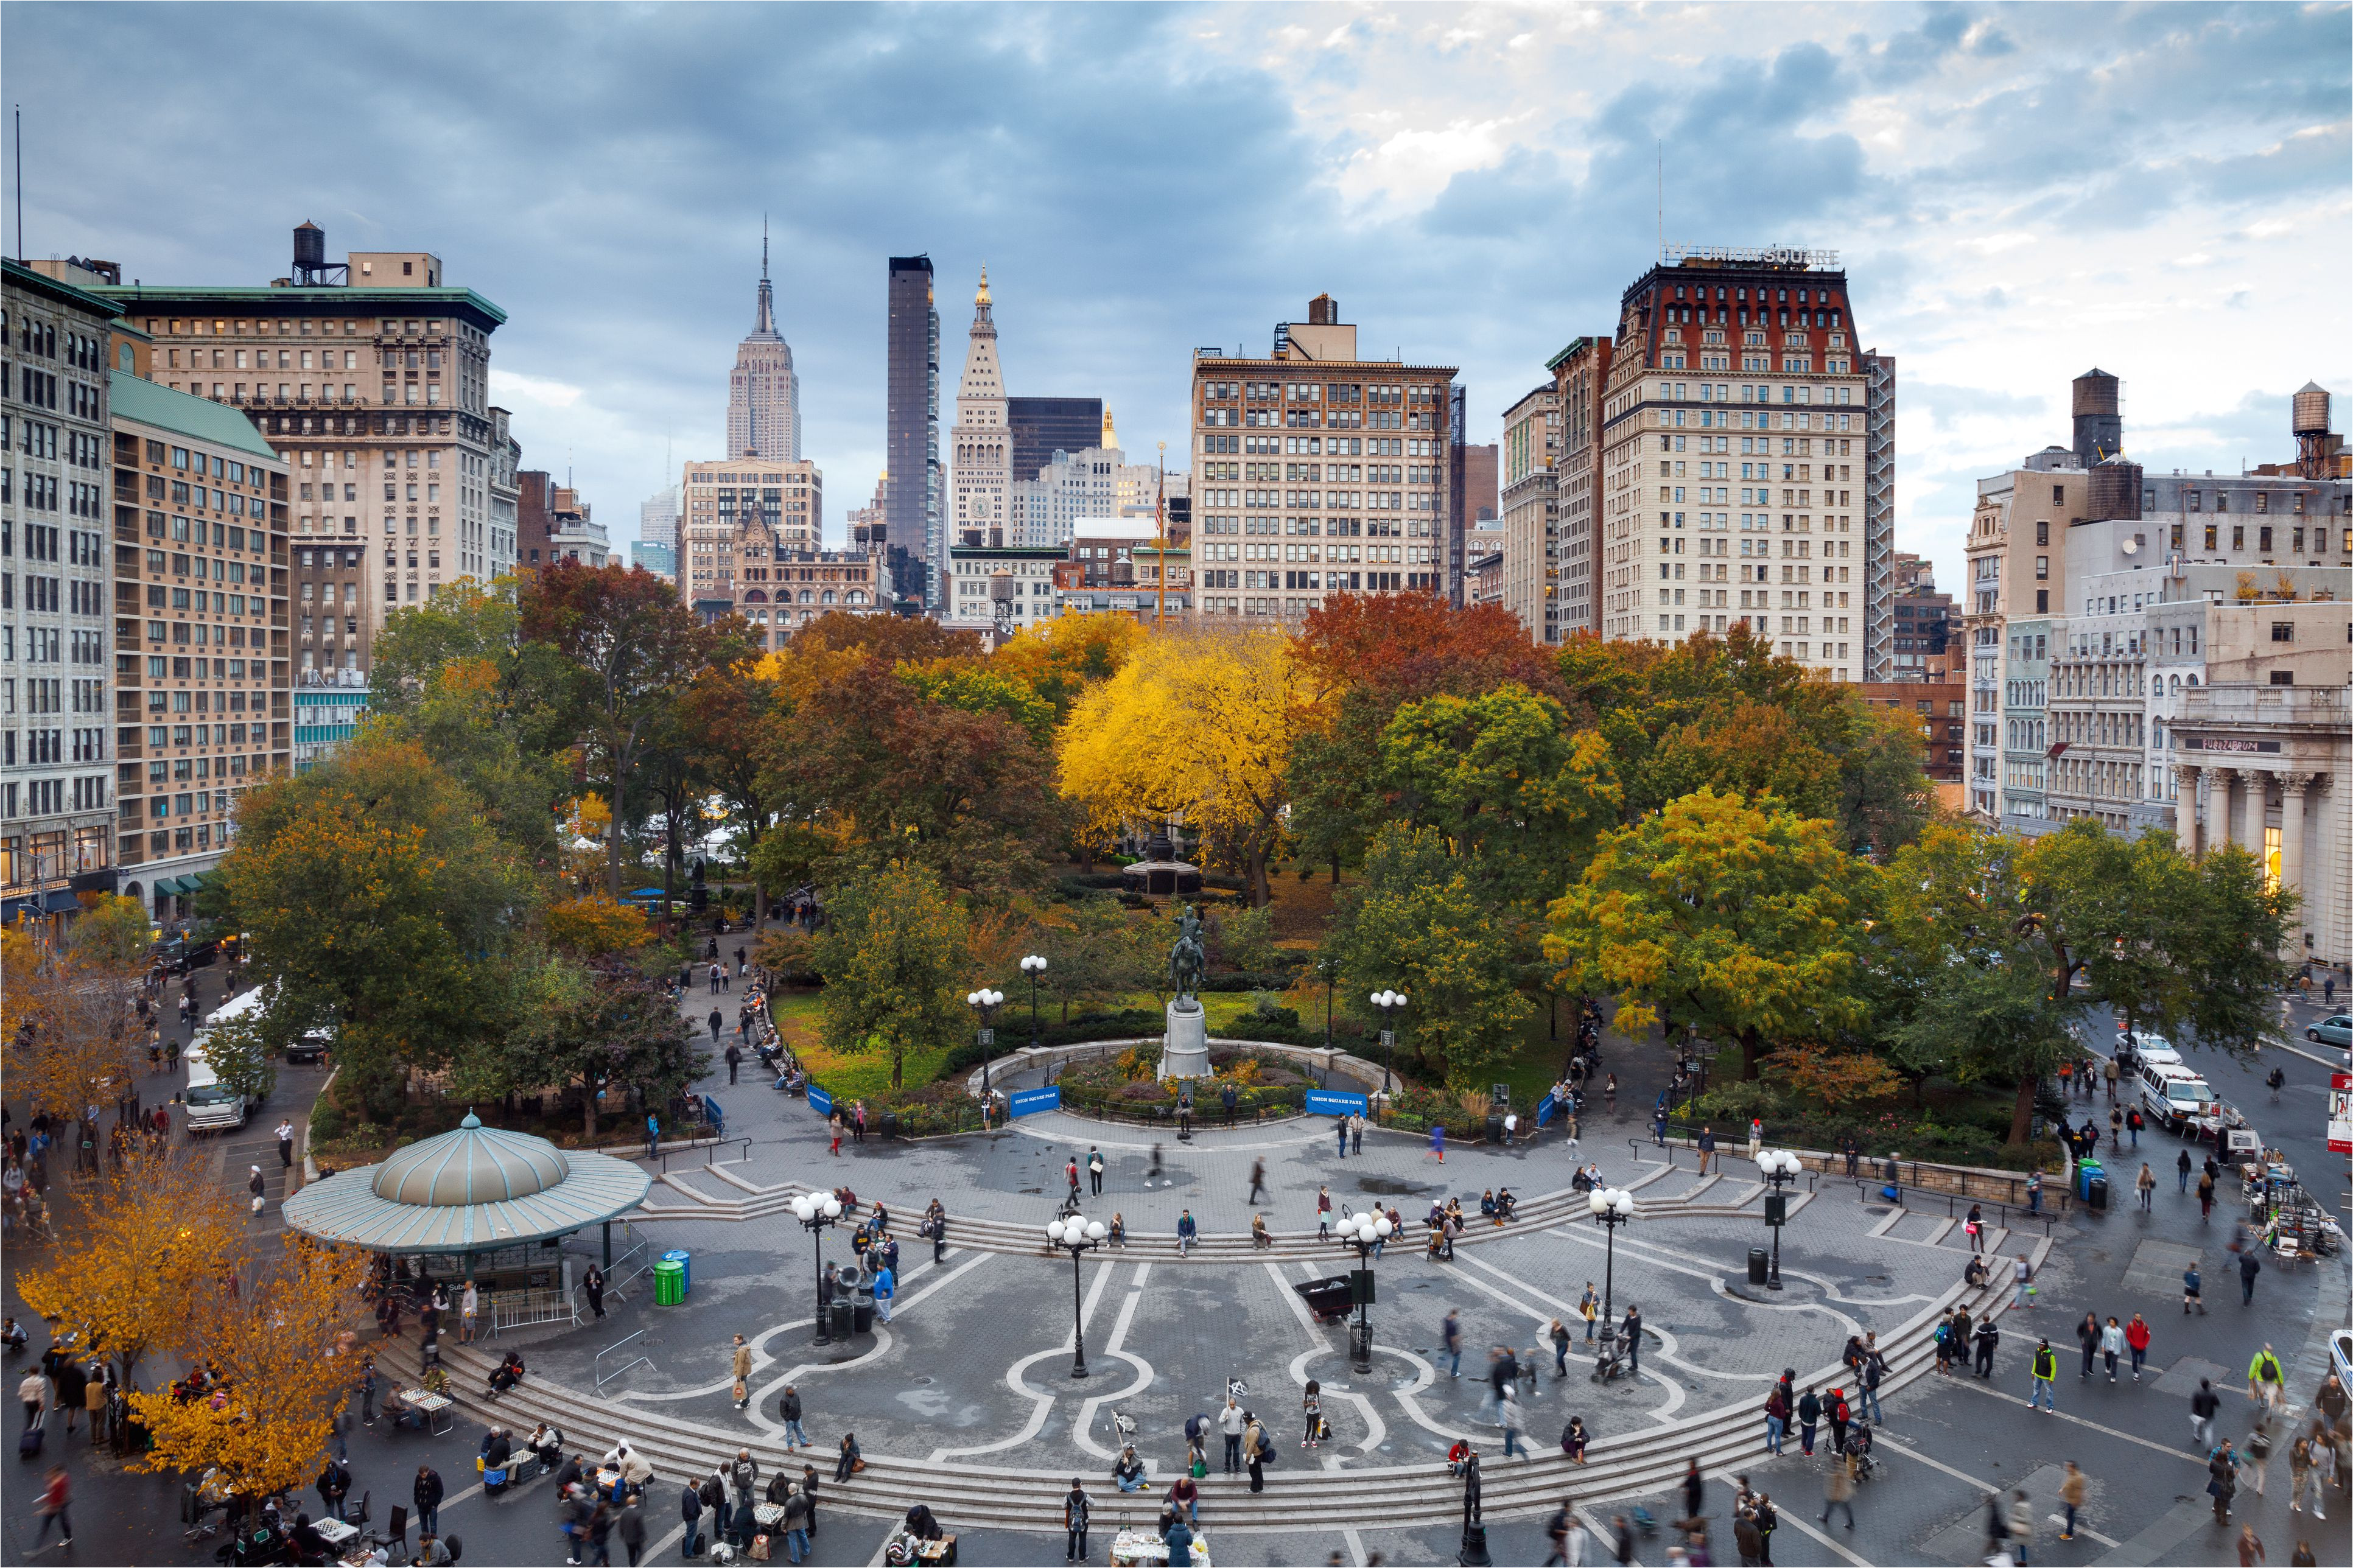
(310, 1047)
(2334, 1030)
(179, 955)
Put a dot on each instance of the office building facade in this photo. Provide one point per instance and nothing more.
(205, 633)
(1580, 375)
(763, 390)
(1531, 499)
(1316, 473)
(57, 647)
(1746, 462)
(912, 430)
(980, 460)
(371, 378)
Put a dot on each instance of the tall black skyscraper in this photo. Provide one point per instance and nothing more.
(912, 439)
(1042, 427)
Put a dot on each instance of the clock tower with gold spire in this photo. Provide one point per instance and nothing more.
(980, 464)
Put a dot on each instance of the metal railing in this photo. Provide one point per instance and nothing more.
(1867, 1191)
(603, 1377)
(706, 1150)
(622, 1273)
(519, 1308)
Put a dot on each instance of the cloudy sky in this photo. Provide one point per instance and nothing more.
(2019, 194)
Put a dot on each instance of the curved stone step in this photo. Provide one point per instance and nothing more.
(1624, 1465)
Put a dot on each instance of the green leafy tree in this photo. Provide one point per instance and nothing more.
(599, 1027)
(893, 955)
(1732, 915)
(374, 890)
(979, 690)
(244, 1050)
(1244, 939)
(1093, 955)
(1419, 925)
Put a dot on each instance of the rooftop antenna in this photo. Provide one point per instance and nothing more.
(1662, 199)
(20, 184)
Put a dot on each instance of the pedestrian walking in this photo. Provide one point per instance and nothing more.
(1838, 1491)
(1986, 1338)
(1974, 1227)
(2250, 1547)
(2205, 1196)
(886, 1286)
(1438, 1140)
(2072, 1492)
(285, 1135)
(2181, 1169)
(1450, 1333)
(2258, 1452)
(2249, 1266)
(2043, 1386)
(2266, 1384)
(631, 1526)
(1706, 1147)
(592, 1285)
(740, 1366)
(716, 1019)
(469, 1304)
(2136, 1340)
(1258, 1182)
(1323, 1213)
(2191, 1287)
(1558, 1332)
(1509, 1416)
(2021, 1282)
(1095, 1168)
(2222, 1480)
(2021, 1526)
(653, 1134)
(2202, 1407)
(56, 1493)
(788, 1410)
(734, 1060)
(1588, 1307)
(2302, 1474)
(833, 1125)
(2112, 1345)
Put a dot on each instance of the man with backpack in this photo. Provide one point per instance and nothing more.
(2044, 1381)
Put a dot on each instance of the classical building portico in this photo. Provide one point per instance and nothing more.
(2274, 760)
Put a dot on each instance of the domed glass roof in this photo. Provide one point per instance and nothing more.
(474, 1164)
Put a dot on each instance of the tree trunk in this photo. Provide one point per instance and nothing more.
(588, 1109)
(1254, 874)
(2021, 1111)
(1335, 867)
(613, 837)
(898, 1062)
(1749, 1051)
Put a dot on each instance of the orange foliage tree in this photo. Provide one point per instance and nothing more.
(594, 924)
(1831, 1078)
(71, 1035)
(272, 1344)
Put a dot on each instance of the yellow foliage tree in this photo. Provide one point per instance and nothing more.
(149, 1239)
(66, 1010)
(1197, 723)
(273, 1344)
(594, 924)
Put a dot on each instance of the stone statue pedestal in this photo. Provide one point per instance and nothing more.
(1185, 1049)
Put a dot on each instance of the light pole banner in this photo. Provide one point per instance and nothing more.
(1028, 1102)
(1544, 1108)
(1332, 1102)
(821, 1102)
(2340, 1113)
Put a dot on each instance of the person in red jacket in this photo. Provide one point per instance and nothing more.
(1839, 1414)
(2137, 1341)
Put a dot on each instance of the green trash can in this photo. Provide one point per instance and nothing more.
(670, 1283)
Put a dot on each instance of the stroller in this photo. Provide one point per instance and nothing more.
(1858, 1448)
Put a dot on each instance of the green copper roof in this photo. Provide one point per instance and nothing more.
(20, 276)
(135, 298)
(198, 418)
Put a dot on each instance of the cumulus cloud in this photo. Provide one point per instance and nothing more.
(2015, 191)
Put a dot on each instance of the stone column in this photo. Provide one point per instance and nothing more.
(2259, 792)
(2188, 831)
(2218, 806)
(2292, 787)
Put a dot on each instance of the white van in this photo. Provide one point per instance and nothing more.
(2178, 1099)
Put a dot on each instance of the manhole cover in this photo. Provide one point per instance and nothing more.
(920, 1381)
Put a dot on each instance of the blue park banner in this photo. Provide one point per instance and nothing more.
(1544, 1108)
(1331, 1102)
(821, 1102)
(1029, 1100)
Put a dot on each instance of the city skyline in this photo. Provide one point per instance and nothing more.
(1425, 167)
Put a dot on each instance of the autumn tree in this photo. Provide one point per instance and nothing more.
(593, 925)
(1721, 913)
(150, 1235)
(632, 648)
(890, 639)
(869, 771)
(1418, 925)
(893, 954)
(273, 1341)
(983, 689)
(1061, 658)
(67, 1023)
(1195, 725)
(1362, 657)
(374, 891)
(1092, 953)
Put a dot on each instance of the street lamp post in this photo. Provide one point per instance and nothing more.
(1076, 1236)
(1611, 1207)
(1779, 1167)
(985, 1002)
(1388, 1004)
(1328, 969)
(1364, 1232)
(1033, 966)
(818, 1212)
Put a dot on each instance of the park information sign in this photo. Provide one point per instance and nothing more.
(1331, 1102)
(821, 1102)
(2340, 1113)
(1031, 1100)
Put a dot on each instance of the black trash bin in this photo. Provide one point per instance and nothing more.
(890, 1127)
(2096, 1193)
(861, 1305)
(842, 1316)
(1494, 1127)
(1756, 1262)
(1331, 1297)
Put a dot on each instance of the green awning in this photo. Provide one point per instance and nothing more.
(174, 886)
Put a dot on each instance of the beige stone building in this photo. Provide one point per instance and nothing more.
(1531, 499)
(1747, 460)
(980, 443)
(1580, 375)
(749, 546)
(370, 377)
(203, 631)
(1317, 472)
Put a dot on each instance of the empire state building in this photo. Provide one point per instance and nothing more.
(763, 393)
